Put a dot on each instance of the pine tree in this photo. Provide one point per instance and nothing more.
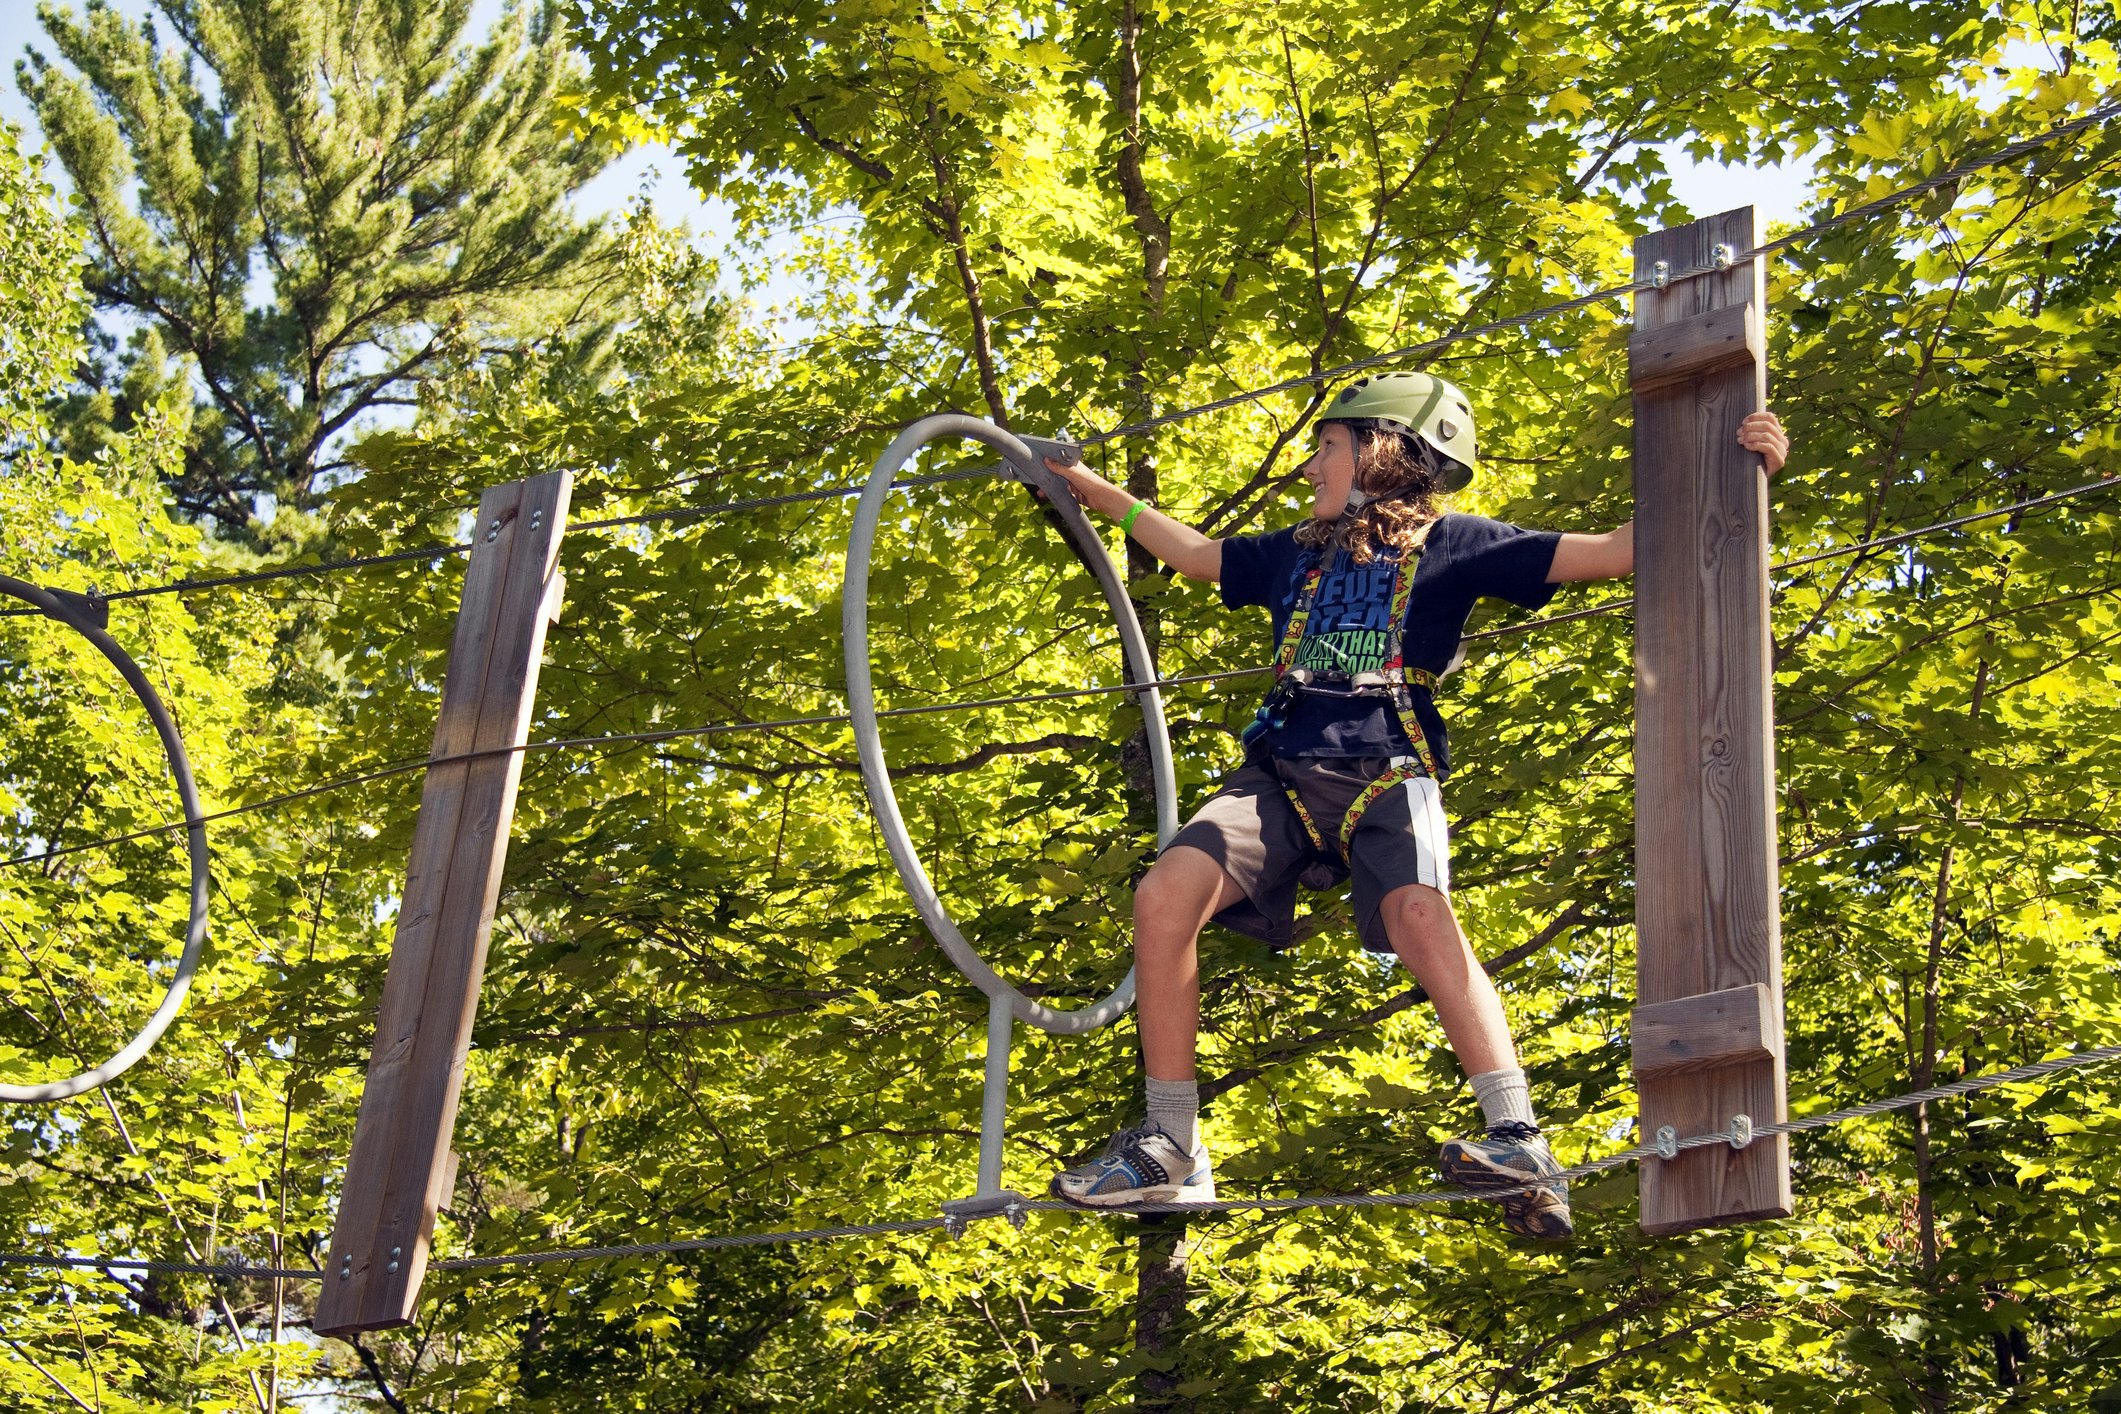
(320, 210)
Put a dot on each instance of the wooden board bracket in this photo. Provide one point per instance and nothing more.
(1737, 1026)
(1676, 354)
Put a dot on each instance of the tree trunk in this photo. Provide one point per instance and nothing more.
(1155, 233)
(1162, 1250)
(946, 203)
(1163, 1275)
(1936, 1386)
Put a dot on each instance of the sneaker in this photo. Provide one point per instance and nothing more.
(1513, 1154)
(1142, 1165)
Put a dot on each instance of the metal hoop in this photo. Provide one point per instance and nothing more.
(861, 694)
(52, 606)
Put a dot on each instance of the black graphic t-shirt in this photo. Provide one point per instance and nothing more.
(1464, 558)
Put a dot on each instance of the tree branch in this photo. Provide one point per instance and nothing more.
(31, 1361)
(375, 1372)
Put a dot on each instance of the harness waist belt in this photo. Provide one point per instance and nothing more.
(1376, 684)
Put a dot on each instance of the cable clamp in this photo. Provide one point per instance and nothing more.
(1661, 274)
(1741, 1131)
(1060, 448)
(1667, 1142)
(91, 608)
(960, 1213)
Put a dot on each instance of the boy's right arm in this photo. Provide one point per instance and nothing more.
(1178, 545)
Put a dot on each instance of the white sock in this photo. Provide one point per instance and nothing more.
(1174, 1107)
(1504, 1097)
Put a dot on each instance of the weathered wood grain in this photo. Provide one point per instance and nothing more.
(1686, 349)
(401, 1167)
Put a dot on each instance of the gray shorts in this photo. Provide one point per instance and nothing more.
(1251, 830)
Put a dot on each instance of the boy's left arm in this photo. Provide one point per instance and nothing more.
(1612, 555)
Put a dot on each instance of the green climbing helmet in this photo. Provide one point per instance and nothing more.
(1419, 403)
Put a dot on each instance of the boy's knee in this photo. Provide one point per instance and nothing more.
(1170, 900)
(1422, 916)
(1158, 897)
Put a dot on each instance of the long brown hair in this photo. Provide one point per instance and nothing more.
(1402, 475)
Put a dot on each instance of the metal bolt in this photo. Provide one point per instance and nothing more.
(1725, 257)
(537, 518)
(395, 1253)
(1741, 1131)
(1016, 1214)
(954, 1224)
(345, 1267)
(1667, 1142)
(1661, 274)
(493, 532)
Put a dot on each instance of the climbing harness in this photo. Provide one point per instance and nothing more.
(1006, 1004)
(89, 615)
(1394, 681)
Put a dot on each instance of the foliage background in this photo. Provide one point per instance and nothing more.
(707, 1008)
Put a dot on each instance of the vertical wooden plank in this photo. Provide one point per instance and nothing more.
(1707, 911)
(401, 1163)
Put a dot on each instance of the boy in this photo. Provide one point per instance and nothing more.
(1369, 599)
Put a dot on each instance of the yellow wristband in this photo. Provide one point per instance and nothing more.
(1126, 524)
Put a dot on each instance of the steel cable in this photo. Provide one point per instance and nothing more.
(440, 550)
(1971, 1085)
(1876, 207)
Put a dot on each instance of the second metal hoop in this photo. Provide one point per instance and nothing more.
(861, 695)
(195, 835)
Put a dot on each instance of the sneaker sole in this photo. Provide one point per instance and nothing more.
(1469, 1173)
(1519, 1224)
(1520, 1216)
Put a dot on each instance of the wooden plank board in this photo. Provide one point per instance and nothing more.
(1707, 913)
(401, 1165)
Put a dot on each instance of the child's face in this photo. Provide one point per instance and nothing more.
(1331, 470)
